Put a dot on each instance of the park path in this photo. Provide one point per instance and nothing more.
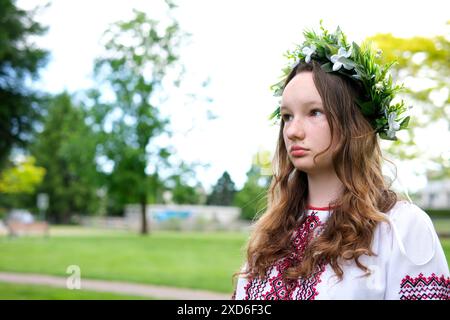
(151, 291)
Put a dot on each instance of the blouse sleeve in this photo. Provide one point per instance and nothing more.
(417, 268)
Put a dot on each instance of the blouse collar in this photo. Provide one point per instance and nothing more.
(320, 208)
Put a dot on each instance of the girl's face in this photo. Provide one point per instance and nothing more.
(305, 125)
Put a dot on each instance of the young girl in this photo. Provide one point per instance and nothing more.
(333, 228)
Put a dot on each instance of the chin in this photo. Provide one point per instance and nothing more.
(305, 167)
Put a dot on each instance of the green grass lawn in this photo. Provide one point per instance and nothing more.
(446, 245)
(11, 291)
(191, 260)
(442, 225)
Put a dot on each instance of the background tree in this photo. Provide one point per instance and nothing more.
(20, 60)
(252, 198)
(22, 178)
(223, 191)
(423, 65)
(18, 183)
(184, 187)
(138, 56)
(66, 149)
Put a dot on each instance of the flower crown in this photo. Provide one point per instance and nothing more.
(335, 54)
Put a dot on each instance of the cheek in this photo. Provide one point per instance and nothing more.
(321, 133)
(285, 138)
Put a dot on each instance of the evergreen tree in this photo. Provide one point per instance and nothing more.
(252, 198)
(20, 61)
(223, 191)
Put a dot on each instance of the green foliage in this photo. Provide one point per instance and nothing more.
(438, 213)
(22, 178)
(20, 61)
(18, 183)
(427, 60)
(223, 191)
(183, 192)
(252, 198)
(66, 149)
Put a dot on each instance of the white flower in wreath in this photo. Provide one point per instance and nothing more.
(378, 54)
(338, 59)
(393, 125)
(379, 86)
(308, 52)
(294, 64)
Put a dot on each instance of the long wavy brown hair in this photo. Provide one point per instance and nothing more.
(357, 160)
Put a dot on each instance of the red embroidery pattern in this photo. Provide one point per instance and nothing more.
(423, 288)
(273, 286)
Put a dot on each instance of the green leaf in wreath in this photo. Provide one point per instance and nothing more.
(367, 108)
(383, 135)
(327, 67)
(275, 114)
(404, 123)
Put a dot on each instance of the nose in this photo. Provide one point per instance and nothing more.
(294, 130)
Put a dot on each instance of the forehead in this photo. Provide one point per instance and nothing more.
(300, 91)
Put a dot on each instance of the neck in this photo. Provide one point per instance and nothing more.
(323, 188)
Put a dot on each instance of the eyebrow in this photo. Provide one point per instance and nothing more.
(308, 103)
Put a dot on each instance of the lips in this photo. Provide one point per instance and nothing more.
(296, 148)
(297, 151)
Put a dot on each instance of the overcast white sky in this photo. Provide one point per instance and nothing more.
(238, 44)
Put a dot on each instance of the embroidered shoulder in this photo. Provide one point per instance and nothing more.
(413, 231)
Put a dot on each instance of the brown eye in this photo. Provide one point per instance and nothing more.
(285, 117)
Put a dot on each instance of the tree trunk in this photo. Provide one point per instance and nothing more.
(144, 226)
(65, 219)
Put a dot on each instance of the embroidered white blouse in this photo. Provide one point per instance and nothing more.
(410, 264)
